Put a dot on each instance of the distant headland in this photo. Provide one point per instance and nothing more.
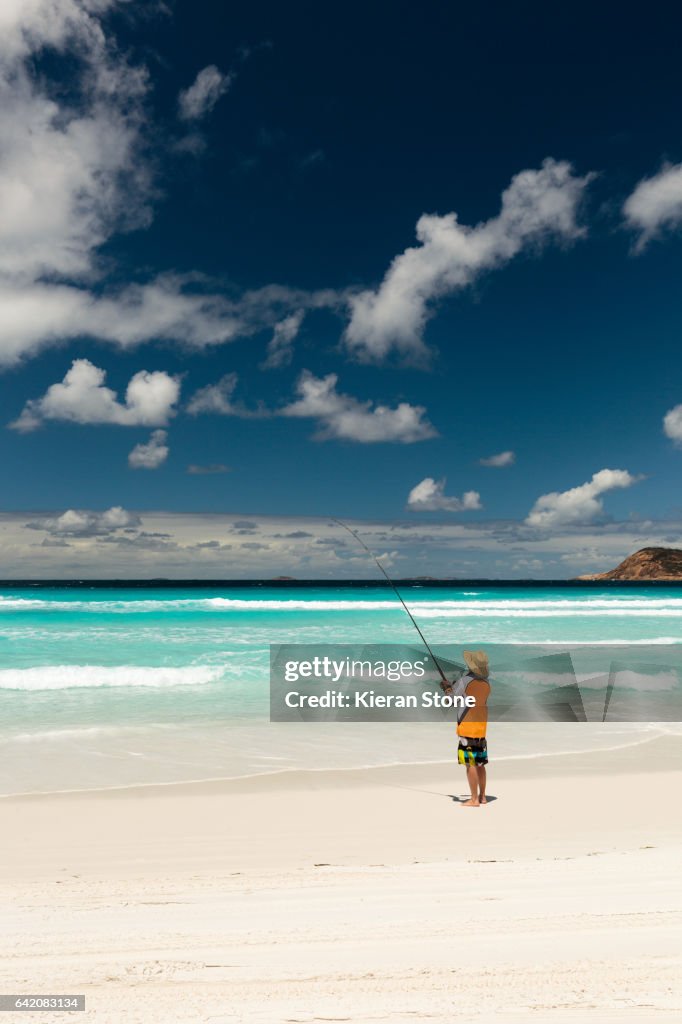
(646, 564)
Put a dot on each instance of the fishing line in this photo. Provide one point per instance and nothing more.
(371, 554)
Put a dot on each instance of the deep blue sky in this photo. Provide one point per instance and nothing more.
(342, 126)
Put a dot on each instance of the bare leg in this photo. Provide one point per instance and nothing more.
(472, 779)
(481, 772)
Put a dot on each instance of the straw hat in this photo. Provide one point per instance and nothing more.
(477, 661)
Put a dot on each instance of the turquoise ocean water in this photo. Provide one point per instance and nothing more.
(123, 686)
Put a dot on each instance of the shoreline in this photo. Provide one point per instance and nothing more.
(549, 762)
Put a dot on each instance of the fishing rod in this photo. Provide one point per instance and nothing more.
(445, 681)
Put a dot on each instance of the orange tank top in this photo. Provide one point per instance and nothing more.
(474, 720)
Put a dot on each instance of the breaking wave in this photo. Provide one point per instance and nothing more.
(66, 677)
(512, 607)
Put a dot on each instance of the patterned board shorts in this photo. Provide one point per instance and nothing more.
(472, 752)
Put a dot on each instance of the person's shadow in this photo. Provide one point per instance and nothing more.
(463, 799)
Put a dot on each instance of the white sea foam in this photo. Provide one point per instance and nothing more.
(88, 732)
(65, 677)
(546, 612)
(512, 607)
(504, 605)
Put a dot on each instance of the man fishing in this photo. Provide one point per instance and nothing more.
(472, 723)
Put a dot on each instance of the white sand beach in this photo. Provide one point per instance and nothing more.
(360, 896)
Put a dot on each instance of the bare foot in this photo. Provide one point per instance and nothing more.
(470, 803)
(483, 800)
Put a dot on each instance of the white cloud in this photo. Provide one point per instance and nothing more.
(280, 348)
(342, 417)
(656, 203)
(579, 505)
(537, 205)
(217, 399)
(75, 169)
(339, 417)
(78, 523)
(82, 397)
(202, 95)
(71, 170)
(672, 424)
(170, 307)
(500, 460)
(429, 496)
(152, 454)
(186, 545)
(591, 557)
